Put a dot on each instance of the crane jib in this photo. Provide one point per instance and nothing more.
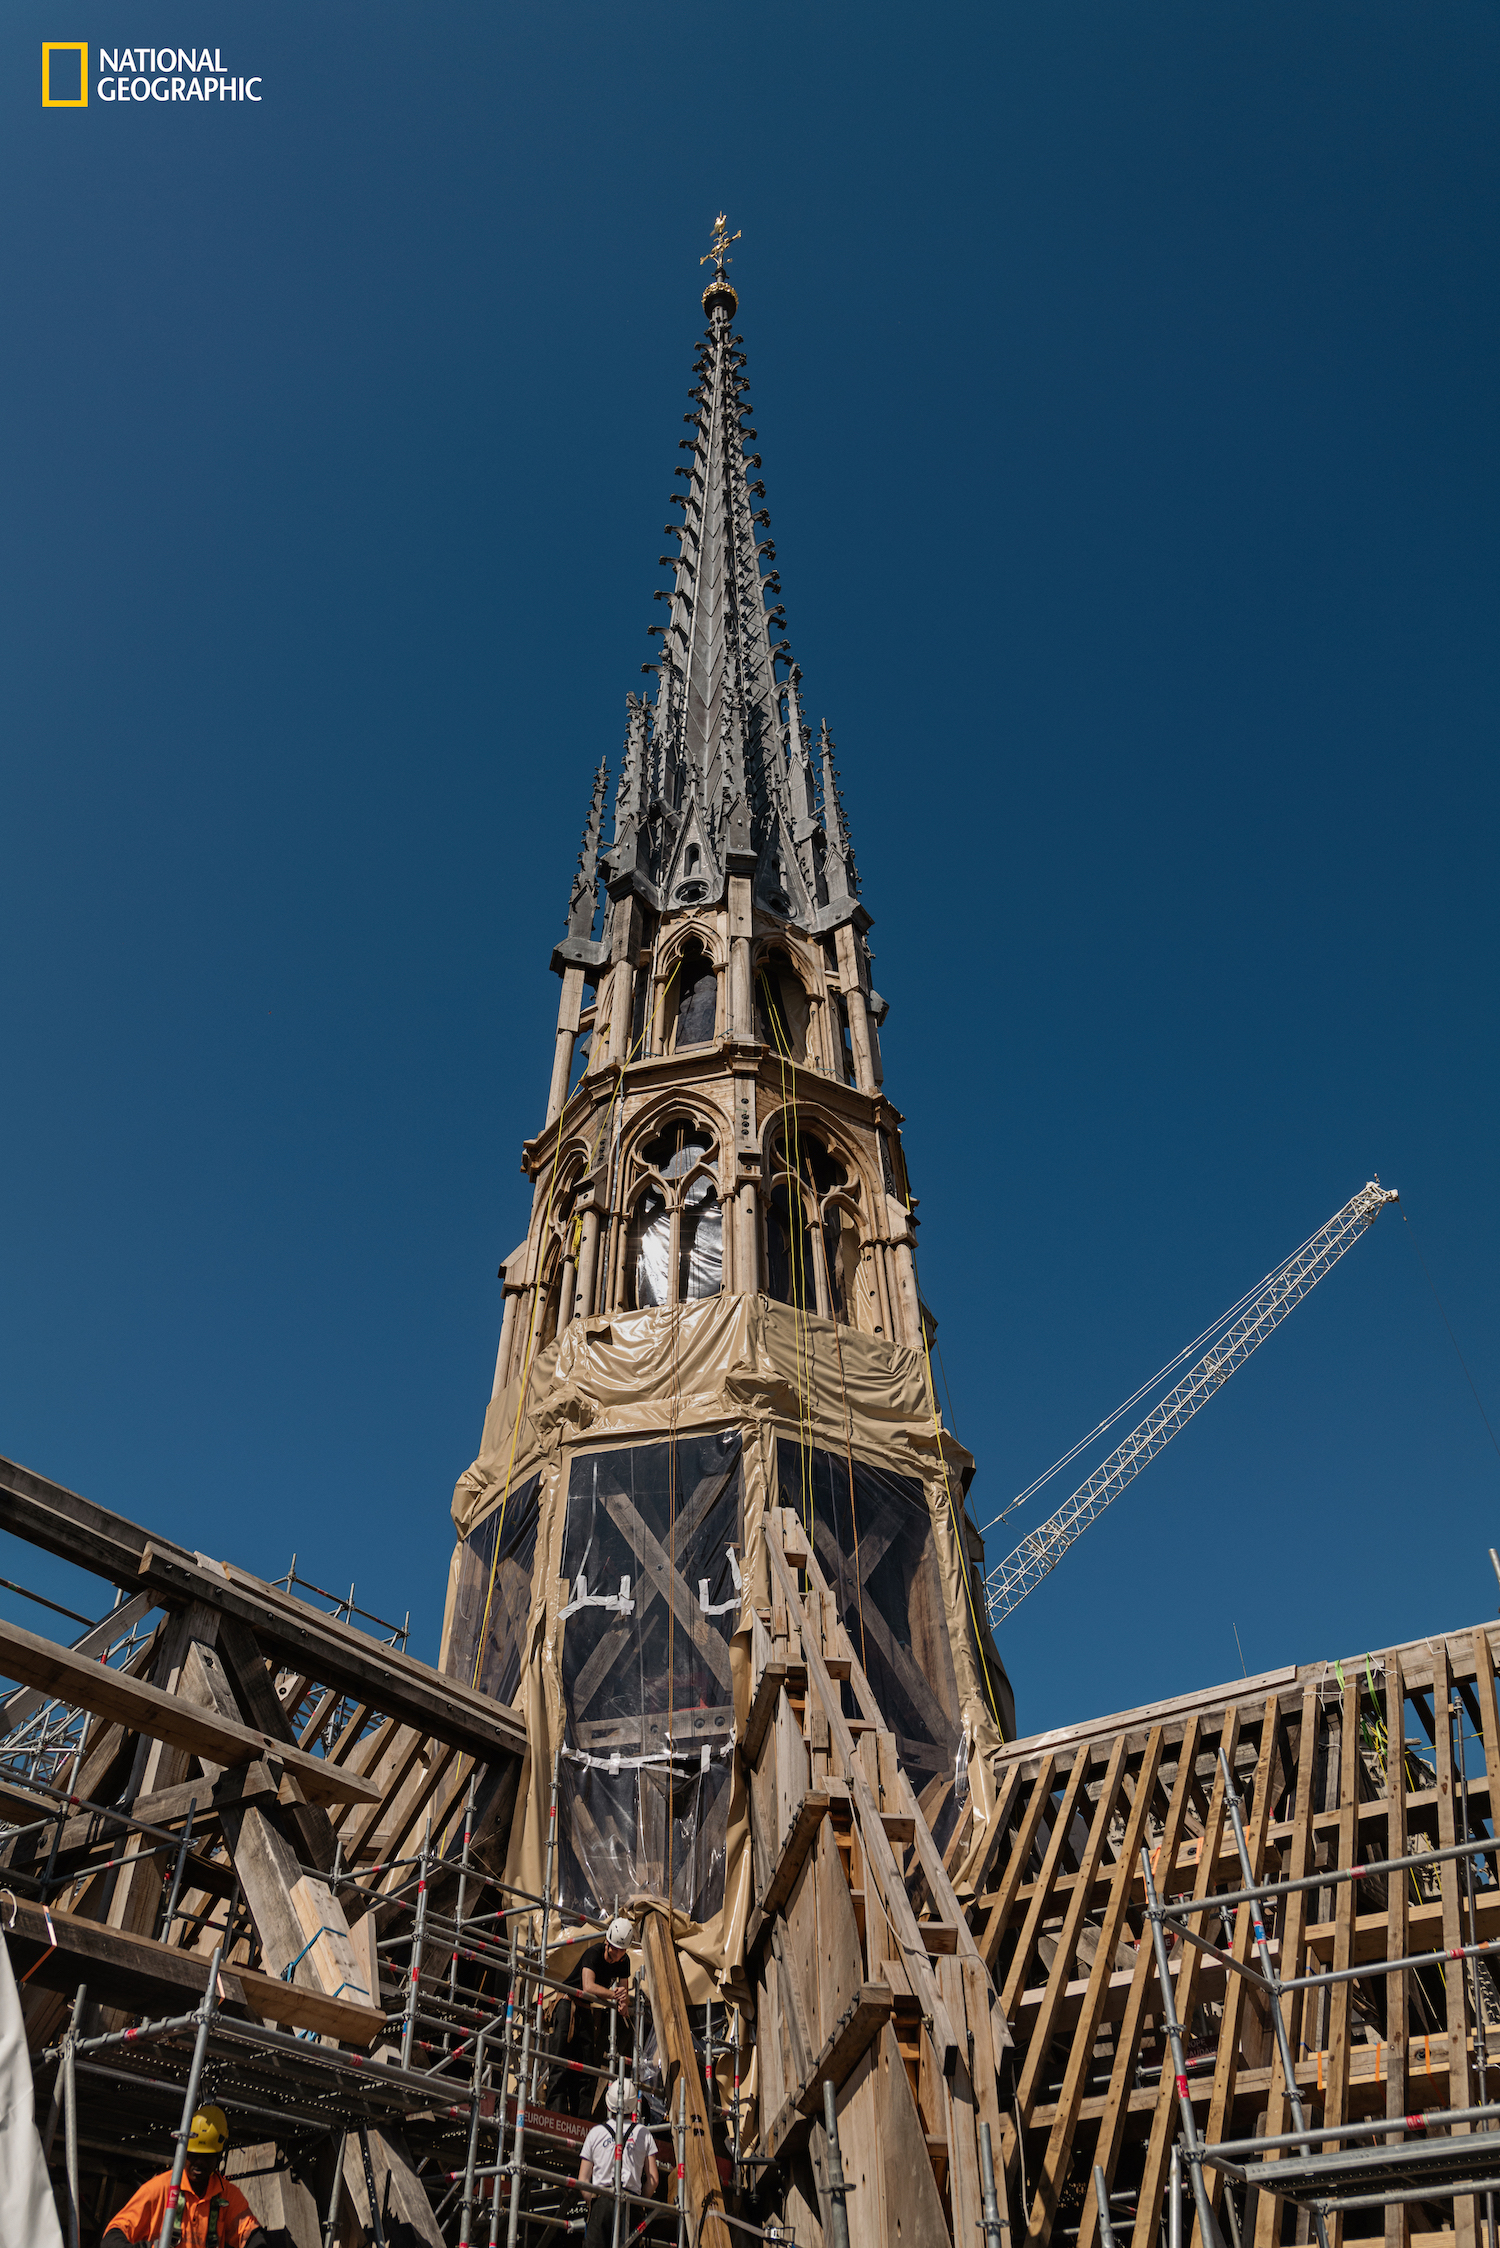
(1037, 1555)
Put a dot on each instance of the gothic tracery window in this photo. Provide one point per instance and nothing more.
(696, 987)
(674, 1244)
(812, 1236)
(781, 1008)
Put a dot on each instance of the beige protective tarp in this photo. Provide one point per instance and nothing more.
(27, 2210)
(730, 1362)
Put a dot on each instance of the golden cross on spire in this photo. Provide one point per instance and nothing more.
(719, 247)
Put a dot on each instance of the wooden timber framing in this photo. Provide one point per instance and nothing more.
(851, 1986)
(1337, 1765)
(314, 1764)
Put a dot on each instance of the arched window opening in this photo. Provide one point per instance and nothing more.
(551, 1299)
(846, 1044)
(812, 1240)
(781, 1009)
(694, 855)
(697, 998)
(674, 1245)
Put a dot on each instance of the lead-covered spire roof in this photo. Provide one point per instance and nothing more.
(718, 775)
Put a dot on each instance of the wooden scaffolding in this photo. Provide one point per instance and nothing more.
(1339, 1765)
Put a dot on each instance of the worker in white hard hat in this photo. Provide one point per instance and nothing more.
(579, 2031)
(604, 1970)
(209, 2212)
(639, 2168)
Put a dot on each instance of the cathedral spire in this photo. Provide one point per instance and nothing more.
(715, 781)
(718, 698)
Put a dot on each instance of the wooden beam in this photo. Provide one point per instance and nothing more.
(1293, 1918)
(134, 1890)
(298, 1919)
(337, 1655)
(165, 1717)
(1039, 2044)
(868, 2013)
(142, 1976)
(1238, 1993)
(674, 2031)
(257, 1697)
(809, 1816)
(1041, 1903)
(48, 1515)
(1054, 2168)
(1116, 2107)
(773, 1677)
(998, 1910)
(1165, 2118)
(168, 1807)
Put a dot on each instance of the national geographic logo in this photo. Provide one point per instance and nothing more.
(138, 74)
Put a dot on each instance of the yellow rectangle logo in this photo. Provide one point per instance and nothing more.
(65, 82)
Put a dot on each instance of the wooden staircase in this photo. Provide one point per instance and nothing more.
(854, 1985)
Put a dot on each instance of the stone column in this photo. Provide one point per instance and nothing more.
(741, 1008)
(569, 1008)
(854, 1002)
(588, 1260)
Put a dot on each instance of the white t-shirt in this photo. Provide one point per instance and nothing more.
(599, 2149)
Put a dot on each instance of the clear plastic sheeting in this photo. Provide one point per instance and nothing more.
(509, 1604)
(620, 1833)
(876, 1547)
(647, 1687)
(696, 1372)
(700, 1228)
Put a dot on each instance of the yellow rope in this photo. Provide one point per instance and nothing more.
(859, 1582)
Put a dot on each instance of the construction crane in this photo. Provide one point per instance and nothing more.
(1243, 1329)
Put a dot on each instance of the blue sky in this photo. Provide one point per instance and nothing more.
(1125, 385)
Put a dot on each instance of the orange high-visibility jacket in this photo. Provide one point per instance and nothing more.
(140, 2219)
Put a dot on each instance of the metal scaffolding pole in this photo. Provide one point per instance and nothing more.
(1208, 2230)
(1481, 2053)
(375, 2225)
(414, 1975)
(838, 2192)
(1268, 1969)
(205, 2017)
(992, 2227)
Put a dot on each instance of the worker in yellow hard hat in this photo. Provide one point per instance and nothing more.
(209, 2211)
